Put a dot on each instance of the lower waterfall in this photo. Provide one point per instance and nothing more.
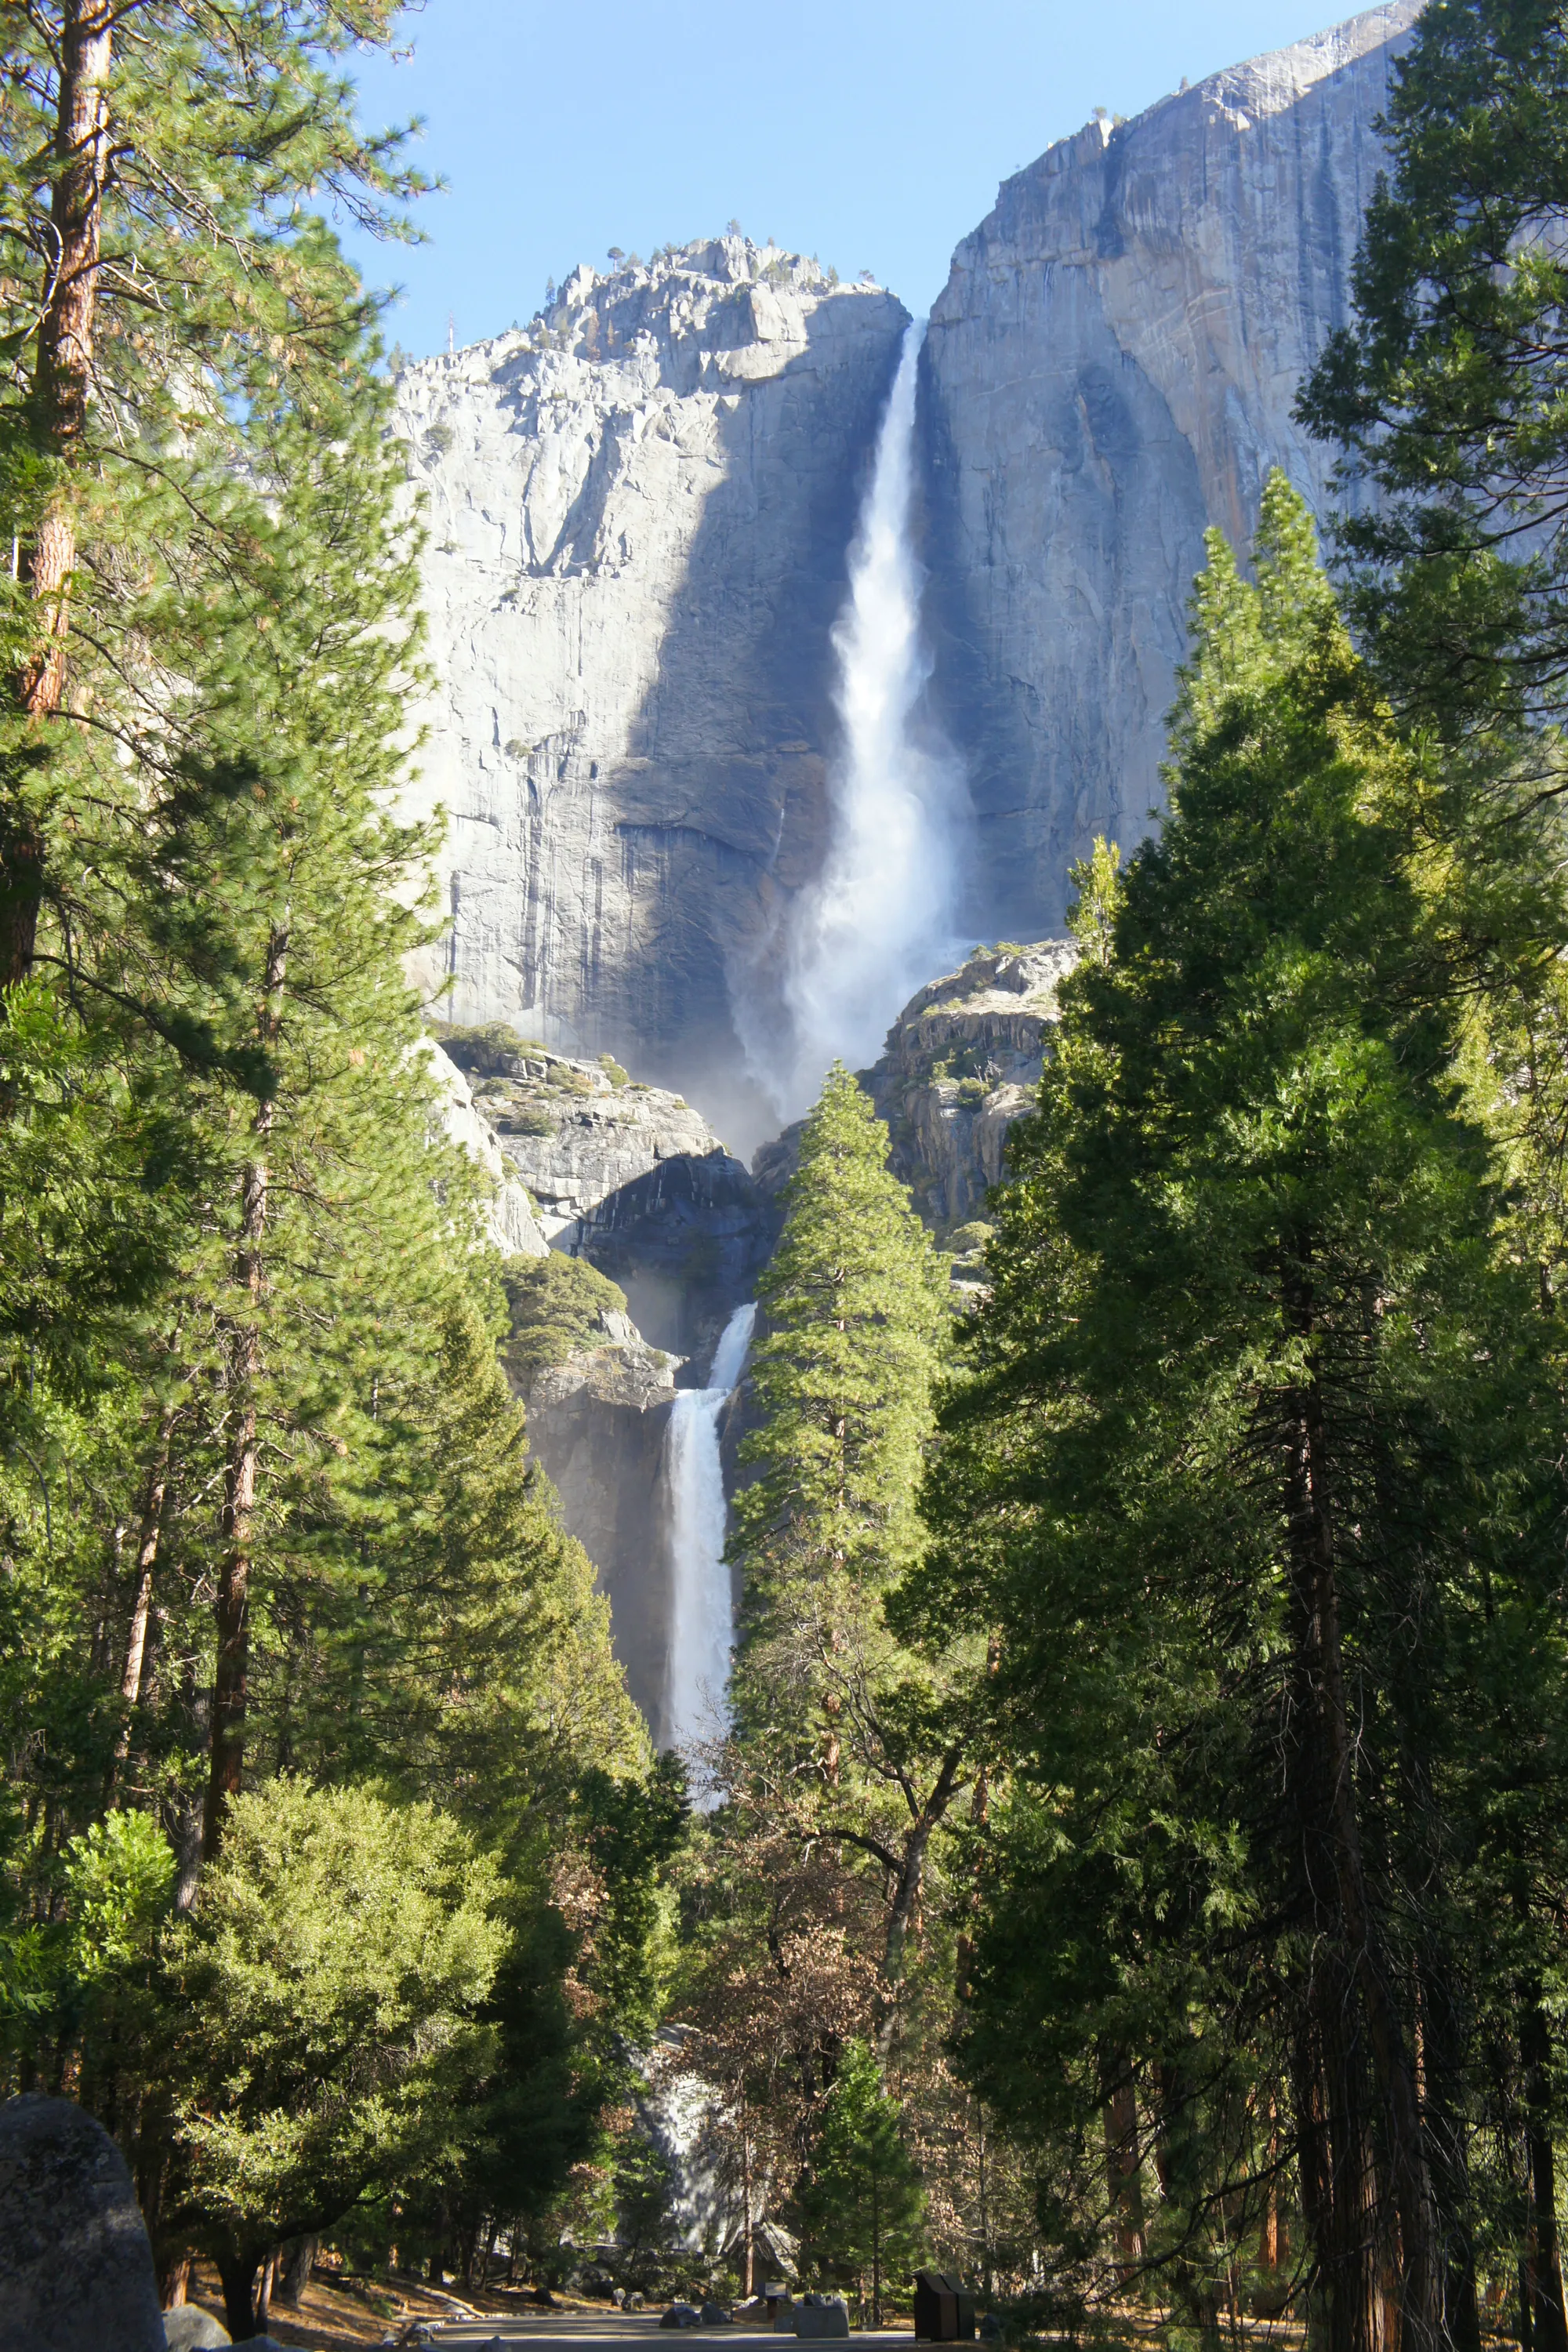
(703, 1616)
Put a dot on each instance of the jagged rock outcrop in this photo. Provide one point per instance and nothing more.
(627, 1175)
(631, 1179)
(638, 509)
(510, 1222)
(963, 1061)
(1110, 370)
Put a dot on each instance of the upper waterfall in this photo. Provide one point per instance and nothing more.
(879, 918)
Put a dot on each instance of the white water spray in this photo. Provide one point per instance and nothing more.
(879, 922)
(703, 1627)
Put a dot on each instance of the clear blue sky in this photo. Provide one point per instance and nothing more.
(870, 132)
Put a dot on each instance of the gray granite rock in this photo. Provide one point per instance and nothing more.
(1111, 370)
(628, 1176)
(189, 2328)
(76, 2269)
(963, 1061)
(638, 508)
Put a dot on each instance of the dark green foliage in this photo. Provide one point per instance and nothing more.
(556, 1304)
(1448, 393)
(1251, 1466)
(279, 1589)
(841, 1382)
(487, 1050)
(862, 2209)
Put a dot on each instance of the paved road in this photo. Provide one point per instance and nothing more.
(600, 2332)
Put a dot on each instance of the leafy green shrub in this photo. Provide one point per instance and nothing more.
(555, 1304)
(325, 1988)
(485, 1050)
(963, 1239)
(613, 1070)
(527, 1119)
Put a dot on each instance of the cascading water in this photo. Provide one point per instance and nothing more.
(702, 1626)
(879, 922)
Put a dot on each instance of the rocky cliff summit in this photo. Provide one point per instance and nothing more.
(638, 508)
(1110, 371)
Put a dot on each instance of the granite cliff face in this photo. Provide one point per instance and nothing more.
(596, 1165)
(1110, 371)
(638, 509)
(638, 513)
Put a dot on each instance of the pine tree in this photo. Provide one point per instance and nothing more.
(161, 274)
(840, 1384)
(863, 2208)
(843, 1729)
(1251, 1472)
(1446, 394)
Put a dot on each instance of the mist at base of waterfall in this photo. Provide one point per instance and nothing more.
(879, 920)
(703, 1627)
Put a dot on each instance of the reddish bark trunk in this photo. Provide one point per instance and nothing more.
(60, 386)
(1329, 1788)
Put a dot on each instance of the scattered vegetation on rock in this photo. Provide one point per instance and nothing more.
(557, 1307)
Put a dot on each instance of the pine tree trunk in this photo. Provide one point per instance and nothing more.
(150, 1523)
(60, 387)
(1544, 2261)
(1329, 1788)
(236, 1526)
(1123, 2164)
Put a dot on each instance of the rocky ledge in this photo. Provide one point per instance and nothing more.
(626, 1175)
(961, 1063)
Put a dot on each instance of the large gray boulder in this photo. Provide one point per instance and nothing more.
(189, 2328)
(76, 2269)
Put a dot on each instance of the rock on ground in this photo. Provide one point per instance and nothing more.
(76, 2269)
(189, 2328)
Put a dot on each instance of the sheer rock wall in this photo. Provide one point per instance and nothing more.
(1109, 372)
(637, 511)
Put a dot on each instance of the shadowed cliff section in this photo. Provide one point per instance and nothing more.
(1111, 370)
(639, 512)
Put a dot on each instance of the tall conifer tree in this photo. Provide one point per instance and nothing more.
(1242, 1470)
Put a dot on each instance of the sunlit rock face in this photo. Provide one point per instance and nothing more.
(1110, 371)
(637, 513)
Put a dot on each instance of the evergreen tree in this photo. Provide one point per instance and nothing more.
(1252, 1470)
(840, 1385)
(863, 2208)
(1446, 394)
(162, 274)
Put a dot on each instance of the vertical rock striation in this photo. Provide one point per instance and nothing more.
(1111, 370)
(637, 511)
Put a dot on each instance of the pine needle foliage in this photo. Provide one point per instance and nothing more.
(840, 1384)
(1250, 1469)
(1447, 394)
